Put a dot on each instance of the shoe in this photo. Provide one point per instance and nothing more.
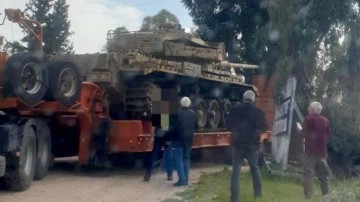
(146, 178)
(257, 196)
(180, 183)
(169, 178)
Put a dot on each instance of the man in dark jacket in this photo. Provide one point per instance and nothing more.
(183, 140)
(162, 139)
(246, 123)
(316, 132)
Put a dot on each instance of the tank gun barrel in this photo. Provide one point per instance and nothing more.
(244, 66)
(227, 64)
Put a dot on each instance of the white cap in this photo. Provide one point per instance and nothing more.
(249, 95)
(185, 102)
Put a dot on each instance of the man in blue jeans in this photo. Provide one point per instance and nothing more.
(162, 139)
(246, 123)
(183, 140)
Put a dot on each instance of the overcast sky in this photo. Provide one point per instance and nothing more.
(91, 19)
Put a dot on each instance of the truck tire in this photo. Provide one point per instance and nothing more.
(43, 157)
(19, 177)
(65, 83)
(26, 77)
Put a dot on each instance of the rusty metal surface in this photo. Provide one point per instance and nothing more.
(2, 67)
(129, 136)
(182, 50)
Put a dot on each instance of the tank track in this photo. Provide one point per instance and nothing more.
(139, 97)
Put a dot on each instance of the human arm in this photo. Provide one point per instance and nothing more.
(228, 120)
(196, 121)
(303, 129)
(261, 123)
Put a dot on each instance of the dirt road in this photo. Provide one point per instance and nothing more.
(65, 183)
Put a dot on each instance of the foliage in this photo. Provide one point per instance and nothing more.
(59, 30)
(13, 47)
(237, 23)
(216, 187)
(302, 27)
(326, 67)
(121, 29)
(163, 16)
(53, 15)
(38, 10)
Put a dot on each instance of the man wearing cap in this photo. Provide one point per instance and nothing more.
(316, 132)
(183, 140)
(246, 123)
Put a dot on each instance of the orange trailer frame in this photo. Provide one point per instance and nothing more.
(88, 110)
(134, 136)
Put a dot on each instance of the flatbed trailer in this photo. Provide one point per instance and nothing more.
(61, 131)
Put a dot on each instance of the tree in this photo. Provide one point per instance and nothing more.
(121, 30)
(302, 27)
(37, 10)
(53, 14)
(14, 47)
(237, 23)
(149, 23)
(327, 70)
(59, 30)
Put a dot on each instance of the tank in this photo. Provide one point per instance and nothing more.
(146, 73)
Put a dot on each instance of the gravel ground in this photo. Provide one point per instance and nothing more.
(64, 183)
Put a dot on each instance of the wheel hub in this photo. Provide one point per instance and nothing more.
(31, 77)
(67, 82)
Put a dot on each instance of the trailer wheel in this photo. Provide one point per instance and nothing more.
(225, 110)
(65, 83)
(213, 114)
(201, 111)
(43, 156)
(25, 76)
(19, 177)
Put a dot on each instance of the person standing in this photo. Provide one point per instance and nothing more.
(316, 132)
(246, 122)
(183, 140)
(161, 139)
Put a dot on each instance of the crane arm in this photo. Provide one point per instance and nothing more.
(32, 26)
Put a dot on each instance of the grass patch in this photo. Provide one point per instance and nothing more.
(216, 187)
